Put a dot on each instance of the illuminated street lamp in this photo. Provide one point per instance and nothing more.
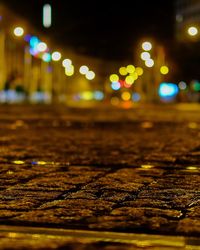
(83, 69)
(66, 62)
(149, 63)
(145, 56)
(90, 75)
(18, 31)
(147, 46)
(192, 31)
(56, 56)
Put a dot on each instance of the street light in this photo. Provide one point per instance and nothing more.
(56, 56)
(147, 46)
(90, 75)
(66, 62)
(149, 63)
(83, 69)
(18, 31)
(192, 31)
(145, 56)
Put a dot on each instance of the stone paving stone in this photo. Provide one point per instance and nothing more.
(21, 204)
(14, 194)
(6, 214)
(94, 205)
(116, 170)
(194, 211)
(54, 217)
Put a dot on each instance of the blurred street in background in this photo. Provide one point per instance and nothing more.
(35, 69)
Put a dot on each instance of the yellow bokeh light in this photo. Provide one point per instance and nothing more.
(129, 80)
(90, 75)
(134, 76)
(149, 63)
(147, 46)
(114, 101)
(193, 31)
(66, 62)
(56, 56)
(83, 69)
(69, 73)
(69, 70)
(139, 71)
(164, 70)
(87, 95)
(126, 96)
(123, 71)
(18, 31)
(130, 69)
(145, 56)
(114, 78)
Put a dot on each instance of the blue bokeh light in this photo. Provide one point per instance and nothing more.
(168, 90)
(115, 85)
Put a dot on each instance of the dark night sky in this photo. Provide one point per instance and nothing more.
(106, 29)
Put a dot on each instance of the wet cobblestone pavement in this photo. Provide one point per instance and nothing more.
(134, 171)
